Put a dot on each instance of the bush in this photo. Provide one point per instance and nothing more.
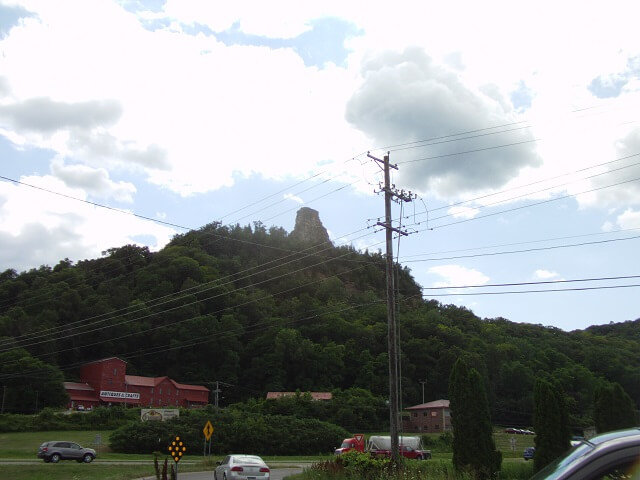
(441, 444)
(361, 466)
(100, 418)
(233, 431)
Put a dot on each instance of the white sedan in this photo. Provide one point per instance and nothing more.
(241, 467)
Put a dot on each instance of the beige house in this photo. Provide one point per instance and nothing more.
(431, 417)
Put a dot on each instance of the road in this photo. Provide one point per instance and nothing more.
(276, 474)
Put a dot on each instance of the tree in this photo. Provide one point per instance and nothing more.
(474, 449)
(29, 384)
(613, 408)
(551, 423)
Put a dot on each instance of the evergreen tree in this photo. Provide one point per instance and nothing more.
(474, 449)
(613, 408)
(551, 423)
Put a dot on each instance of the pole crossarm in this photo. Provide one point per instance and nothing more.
(393, 229)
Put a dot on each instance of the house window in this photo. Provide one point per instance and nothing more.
(424, 414)
(160, 391)
(437, 427)
(115, 372)
(415, 414)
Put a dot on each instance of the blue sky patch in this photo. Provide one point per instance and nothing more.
(135, 6)
(522, 97)
(21, 162)
(10, 17)
(323, 43)
(610, 86)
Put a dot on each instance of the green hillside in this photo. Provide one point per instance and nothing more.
(260, 310)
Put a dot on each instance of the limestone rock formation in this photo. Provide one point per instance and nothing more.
(309, 228)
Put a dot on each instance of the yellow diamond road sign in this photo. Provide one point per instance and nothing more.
(208, 430)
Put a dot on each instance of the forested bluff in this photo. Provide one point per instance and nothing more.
(260, 310)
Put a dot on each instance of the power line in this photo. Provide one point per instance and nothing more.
(539, 249)
(542, 282)
(512, 292)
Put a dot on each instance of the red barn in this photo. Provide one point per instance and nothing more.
(105, 382)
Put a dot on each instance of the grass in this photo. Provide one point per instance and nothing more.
(24, 445)
(76, 471)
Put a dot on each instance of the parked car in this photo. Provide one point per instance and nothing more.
(518, 431)
(241, 467)
(576, 439)
(60, 450)
(528, 453)
(610, 455)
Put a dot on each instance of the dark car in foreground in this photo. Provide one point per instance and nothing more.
(613, 455)
(62, 450)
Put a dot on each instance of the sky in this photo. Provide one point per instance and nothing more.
(514, 125)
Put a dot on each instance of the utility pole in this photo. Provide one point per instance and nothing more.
(216, 396)
(423, 382)
(389, 193)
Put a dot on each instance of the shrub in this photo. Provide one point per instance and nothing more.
(234, 431)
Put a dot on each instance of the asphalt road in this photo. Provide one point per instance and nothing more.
(276, 474)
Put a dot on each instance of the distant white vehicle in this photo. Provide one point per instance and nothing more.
(242, 467)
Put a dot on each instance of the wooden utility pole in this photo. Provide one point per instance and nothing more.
(389, 193)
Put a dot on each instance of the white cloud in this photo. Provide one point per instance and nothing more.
(629, 219)
(41, 114)
(463, 212)
(192, 113)
(36, 227)
(407, 97)
(545, 275)
(96, 181)
(457, 275)
(295, 198)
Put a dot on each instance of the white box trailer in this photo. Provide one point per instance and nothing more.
(410, 446)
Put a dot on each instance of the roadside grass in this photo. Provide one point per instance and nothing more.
(92, 471)
(22, 446)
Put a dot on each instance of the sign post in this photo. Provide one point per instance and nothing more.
(176, 450)
(208, 431)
